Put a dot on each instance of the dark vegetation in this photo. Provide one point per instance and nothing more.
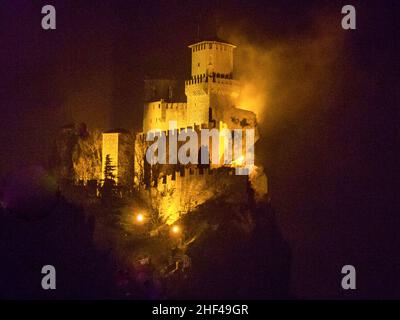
(231, 252)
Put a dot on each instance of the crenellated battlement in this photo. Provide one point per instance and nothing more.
(214, 77)
(141, 136)
(194, 173)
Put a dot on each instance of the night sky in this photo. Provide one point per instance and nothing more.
(328, 125)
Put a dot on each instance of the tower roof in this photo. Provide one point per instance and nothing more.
(213, 40)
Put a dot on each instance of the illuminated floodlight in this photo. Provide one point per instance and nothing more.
(176, 229)
(139, 218)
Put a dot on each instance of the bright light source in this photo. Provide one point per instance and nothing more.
(139, 218)
(176, 229)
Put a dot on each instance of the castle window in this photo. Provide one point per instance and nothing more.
(198, 64)
(210, 46)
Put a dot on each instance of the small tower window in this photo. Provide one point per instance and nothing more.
(210, 46)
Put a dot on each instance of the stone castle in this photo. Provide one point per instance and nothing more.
(212, 94)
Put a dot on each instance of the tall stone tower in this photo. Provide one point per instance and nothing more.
(118, 146)
(211, 87)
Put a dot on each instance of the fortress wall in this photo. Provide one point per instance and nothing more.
(141, 145)
(175, 112)
(175, 195)
(151, 114)
(158, 114)
(119, 146)
(125, 159)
